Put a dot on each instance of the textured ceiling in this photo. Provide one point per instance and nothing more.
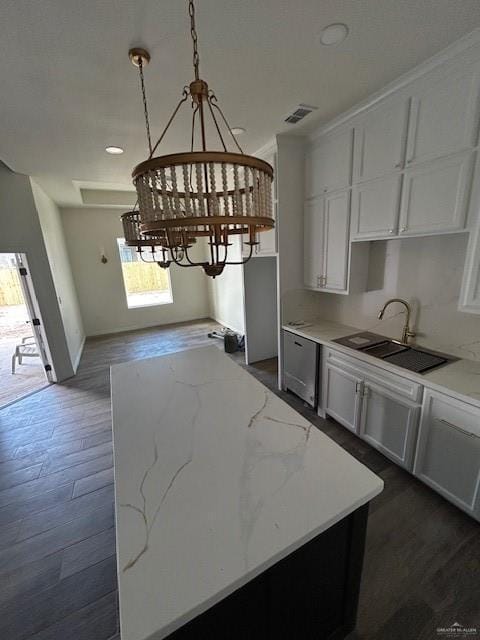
(68, 88)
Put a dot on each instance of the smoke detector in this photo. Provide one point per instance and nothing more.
(299, 112)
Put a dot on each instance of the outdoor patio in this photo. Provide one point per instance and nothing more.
(29, 376)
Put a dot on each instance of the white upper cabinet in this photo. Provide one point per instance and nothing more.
(470, 293)
(326, 242)
(380, 139)
(375, 206)
(313, 225)
(444, 116)
(329, 163)
(336, 234)
(435, 195)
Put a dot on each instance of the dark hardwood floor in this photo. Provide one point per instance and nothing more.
(57, 542)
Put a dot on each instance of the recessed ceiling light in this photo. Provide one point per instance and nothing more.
(114, 151)
(237, 131)
(334, 34)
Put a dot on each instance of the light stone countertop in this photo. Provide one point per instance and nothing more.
(216, 479)
(460, 379)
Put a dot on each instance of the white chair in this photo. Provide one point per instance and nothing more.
(27, 349)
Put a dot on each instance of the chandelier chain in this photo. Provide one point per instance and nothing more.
(145, 106)
(193, 31)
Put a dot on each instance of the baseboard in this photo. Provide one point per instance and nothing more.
(138, 327)
(76, 362)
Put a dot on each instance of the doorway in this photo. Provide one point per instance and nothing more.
(25, 363)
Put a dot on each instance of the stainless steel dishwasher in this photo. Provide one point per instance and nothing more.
(300, 367)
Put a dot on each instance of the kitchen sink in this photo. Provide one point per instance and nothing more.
(408, 357)
(384, 349)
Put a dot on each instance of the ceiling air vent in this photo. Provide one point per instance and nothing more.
(299, 113)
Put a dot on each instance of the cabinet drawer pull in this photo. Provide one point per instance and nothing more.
(297, 343)
(358, 387)
(457, 428)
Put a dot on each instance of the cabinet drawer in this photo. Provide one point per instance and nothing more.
(391, 381)
(448, 450)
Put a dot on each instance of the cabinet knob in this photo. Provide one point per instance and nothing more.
(403, 229)
(325, 190)
(398, 165)
(391, 231)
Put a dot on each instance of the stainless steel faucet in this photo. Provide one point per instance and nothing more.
(406, 333)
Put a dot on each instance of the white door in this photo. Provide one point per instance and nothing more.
(329, 163)
(314, 240)
(448, 450)
(343, 396)
(336, 231)
(380, 139)
(375, 207)
(435, 195)
(33, 310)
(389, 423)
(444, 117)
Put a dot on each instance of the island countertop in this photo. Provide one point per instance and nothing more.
(216, 480)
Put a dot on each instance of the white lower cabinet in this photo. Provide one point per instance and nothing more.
(343, 396)
(389, 423)
(382, 408)
(438, 440)
(448, 450)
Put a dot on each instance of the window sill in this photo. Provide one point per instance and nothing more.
(152, 304)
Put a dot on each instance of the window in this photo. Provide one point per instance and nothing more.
(146, 284)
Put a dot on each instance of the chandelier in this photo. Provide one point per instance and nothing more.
(153, 247)
(202, 192)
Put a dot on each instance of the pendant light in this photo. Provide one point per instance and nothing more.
(153, 247)
(201, 193)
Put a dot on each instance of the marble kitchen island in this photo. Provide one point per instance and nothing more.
(236, 518)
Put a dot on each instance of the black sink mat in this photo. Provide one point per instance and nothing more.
(414, 360)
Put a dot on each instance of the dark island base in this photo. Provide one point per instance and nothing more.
(312, 594)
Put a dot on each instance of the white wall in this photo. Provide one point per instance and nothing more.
(226, 293)
(53, 235)
(20, 232)
(426, 272)
(100, 286)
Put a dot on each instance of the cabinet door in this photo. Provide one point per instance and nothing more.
(375, 207)
(435, 195)
(337, 229)
(313, 243)
(343, 396)
(389, 423)
(448, 450)
(329, 164)
(470, 294)
(379, 143)
(444, 117)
